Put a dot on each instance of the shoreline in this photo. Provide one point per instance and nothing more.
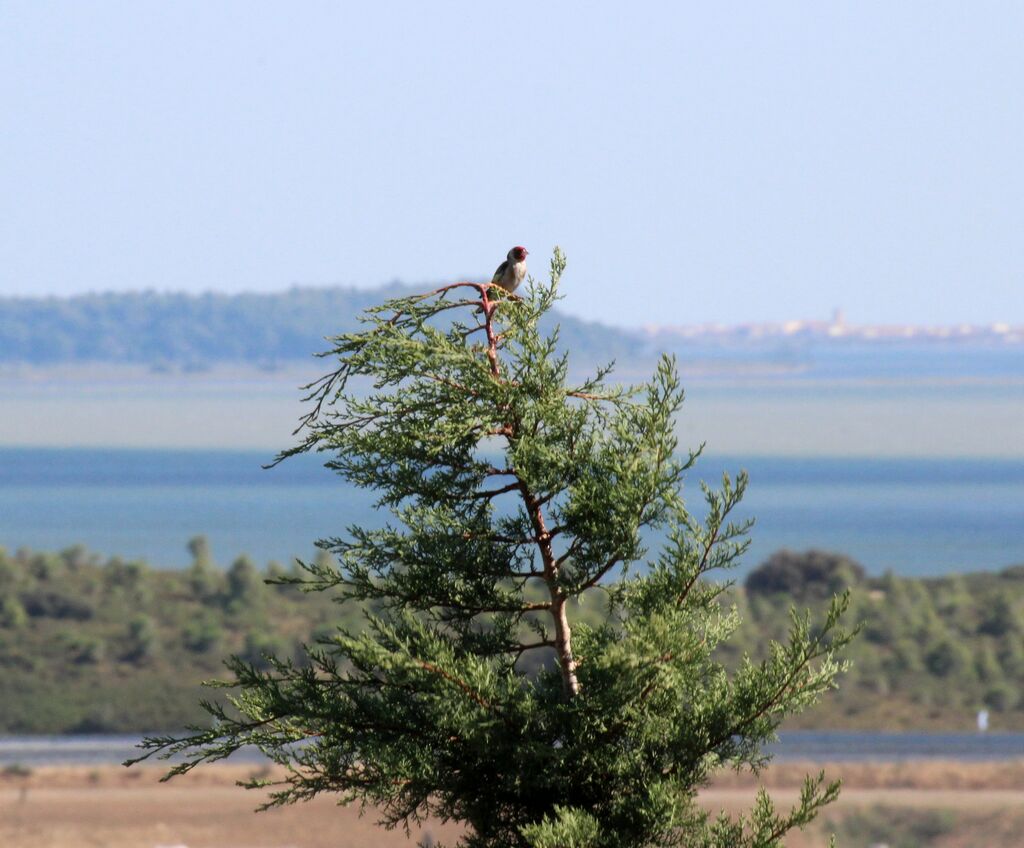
(848, 748)
(918, 775)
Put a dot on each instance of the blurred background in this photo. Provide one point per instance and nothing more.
(816, 209)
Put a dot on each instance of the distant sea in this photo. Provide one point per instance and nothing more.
(916, 517)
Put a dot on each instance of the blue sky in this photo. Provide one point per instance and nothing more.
(697, 162)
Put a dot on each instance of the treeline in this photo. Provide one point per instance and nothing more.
(932, 652)
(90, 644)
(195, 331)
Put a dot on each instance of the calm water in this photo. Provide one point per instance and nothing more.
(914, 516)
(798, 745)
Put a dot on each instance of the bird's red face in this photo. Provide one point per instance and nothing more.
(519, 253)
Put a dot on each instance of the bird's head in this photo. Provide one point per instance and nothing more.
(518, 253)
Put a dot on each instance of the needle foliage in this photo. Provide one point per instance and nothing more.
(475, 691)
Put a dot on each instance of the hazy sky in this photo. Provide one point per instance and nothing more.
(714, 161)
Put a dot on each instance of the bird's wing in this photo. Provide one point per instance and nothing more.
(500, 273)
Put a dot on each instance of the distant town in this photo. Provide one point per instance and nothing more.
(837, 328)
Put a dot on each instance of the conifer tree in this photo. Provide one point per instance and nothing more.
(515, 495)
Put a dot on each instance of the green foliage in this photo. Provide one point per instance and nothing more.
(260, 648)
(814, 575)
(55, 603)
(90, 650)
(12, 612)
(203, 634)
(518, 500)
(245, 590)
(951, 645)
(141, 641)
(205, 581)
(897, 827)
(1001, 618)
(564, 828)
(130, 655)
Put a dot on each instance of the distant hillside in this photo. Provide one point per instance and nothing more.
(158, 329)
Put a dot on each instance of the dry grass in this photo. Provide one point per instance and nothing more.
(110, 807)
(942, 804)
(932, 775)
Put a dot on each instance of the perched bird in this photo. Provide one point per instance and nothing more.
(510, 273)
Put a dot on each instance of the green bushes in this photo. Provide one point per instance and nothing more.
(245, 588)
(954, 644)
(12, 612)
(896, 827)
(93, 645)
(47, 603)
(814, 575)
(202, 634)
(932, 652)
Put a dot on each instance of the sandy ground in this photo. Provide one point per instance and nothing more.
(114, 808)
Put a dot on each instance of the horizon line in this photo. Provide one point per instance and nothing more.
(836, 327)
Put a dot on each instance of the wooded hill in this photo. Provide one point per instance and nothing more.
(107, 645)
(157, 329)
